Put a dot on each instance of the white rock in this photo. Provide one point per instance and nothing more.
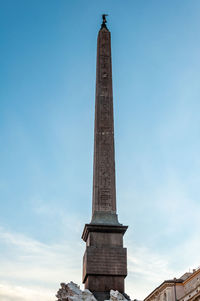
(116, 296)
(72, 292)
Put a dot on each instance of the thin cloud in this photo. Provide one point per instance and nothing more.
(146, 270)
(18, 293)
(33, 263)
(35, 269)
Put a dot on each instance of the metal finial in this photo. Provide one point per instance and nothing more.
(104, 18)
(104, 21)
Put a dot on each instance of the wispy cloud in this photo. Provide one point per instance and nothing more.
(167, 248)
(69, 222)
(31, 270)
(147, 269)
(19, 293)
(28, 266)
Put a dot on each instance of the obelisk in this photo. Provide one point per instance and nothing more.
(105, 258)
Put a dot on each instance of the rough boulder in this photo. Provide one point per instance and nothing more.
(72, 292)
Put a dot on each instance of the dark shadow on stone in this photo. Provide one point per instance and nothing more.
(101, 296)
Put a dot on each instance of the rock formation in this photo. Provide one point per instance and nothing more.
(72, 292)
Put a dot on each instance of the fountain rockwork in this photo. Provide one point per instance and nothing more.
(72, 292)
(105, 258)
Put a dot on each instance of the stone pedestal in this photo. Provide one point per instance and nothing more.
(105, 258)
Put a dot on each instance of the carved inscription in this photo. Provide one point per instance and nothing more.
(105, 171)
(104, 192)
(104, 67)
(104, 91)
(104, 48)
(104, 111)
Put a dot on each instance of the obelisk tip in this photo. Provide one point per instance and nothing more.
(104, 21)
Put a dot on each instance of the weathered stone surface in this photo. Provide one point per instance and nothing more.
(105, 258)
(106, 261)
(72, 292)
(104, 191)
(116, 296)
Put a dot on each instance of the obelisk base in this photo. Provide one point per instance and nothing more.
(102, 296)
(100, 285)
(105, 259)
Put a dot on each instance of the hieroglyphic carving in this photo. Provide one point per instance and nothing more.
(105, 47)
(104, 190)
(105, 170)
(105, 67)
(104, 92)
(104, 103)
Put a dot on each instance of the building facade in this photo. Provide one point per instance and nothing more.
(185, 288)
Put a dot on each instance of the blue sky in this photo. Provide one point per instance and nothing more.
(47, 88)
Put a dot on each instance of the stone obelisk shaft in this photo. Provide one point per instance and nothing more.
(105, 258)
(104, 191)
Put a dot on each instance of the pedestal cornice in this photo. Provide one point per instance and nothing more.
(103, 229)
